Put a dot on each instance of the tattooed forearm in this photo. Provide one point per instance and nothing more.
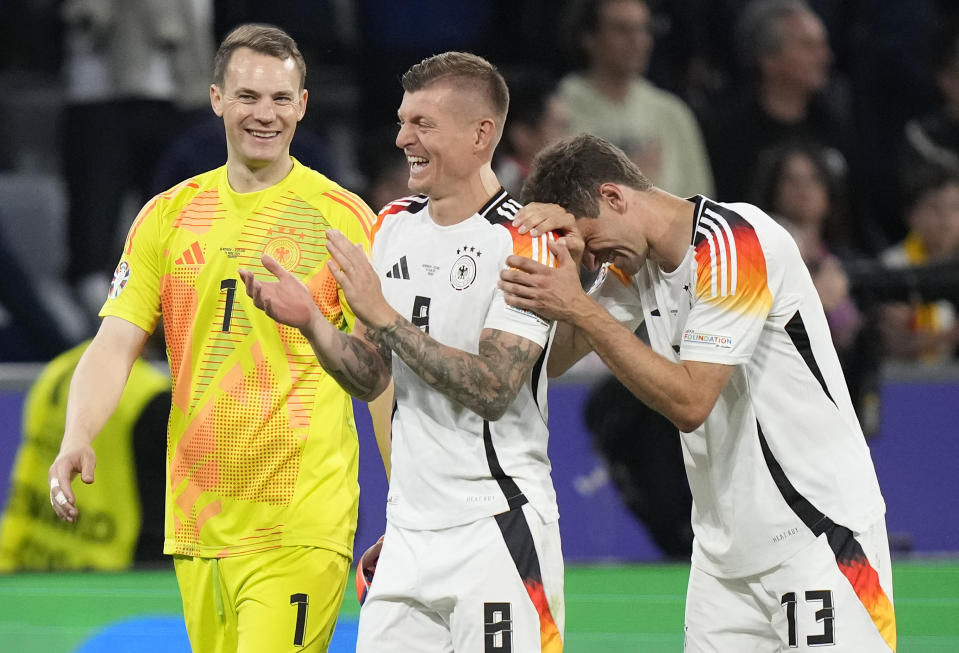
(486, 383)
(375, 338)
(358, 367)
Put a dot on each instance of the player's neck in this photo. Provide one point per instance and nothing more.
(245, 179)
(671, 218)
(451, 208)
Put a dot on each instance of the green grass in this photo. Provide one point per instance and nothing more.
(611, 608)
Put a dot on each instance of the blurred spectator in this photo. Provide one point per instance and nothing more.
(925, 331)
(537, 117)
(934, 137)
(796, 184)
(132, 68)
(784, 50)
(611, 98)
(797, 187)
(122, 518)
(202, 146)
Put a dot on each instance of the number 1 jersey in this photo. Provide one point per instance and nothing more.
(261, 446)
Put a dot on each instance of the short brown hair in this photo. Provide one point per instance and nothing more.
(570, 172)
(262, 38)
(461, 66)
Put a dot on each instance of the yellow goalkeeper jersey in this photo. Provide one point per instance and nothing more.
(261, 447)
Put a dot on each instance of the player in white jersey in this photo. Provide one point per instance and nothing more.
(471, 558)
(790, 546)
(445, 279)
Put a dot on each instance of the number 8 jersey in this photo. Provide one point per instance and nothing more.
(261, 445)
(449, 465)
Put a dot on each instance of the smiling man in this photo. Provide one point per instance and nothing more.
(471, 559)
(262, 494)
(790, 549)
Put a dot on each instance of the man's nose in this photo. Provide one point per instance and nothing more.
(264, 110)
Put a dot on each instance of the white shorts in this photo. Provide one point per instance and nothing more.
(494, 585)
(835, 593)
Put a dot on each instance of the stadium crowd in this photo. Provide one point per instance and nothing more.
(105, 106)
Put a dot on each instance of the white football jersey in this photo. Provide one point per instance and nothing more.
(449, 465)
(782, 453)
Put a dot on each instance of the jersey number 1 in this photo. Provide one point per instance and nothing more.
(302, 602)
(229, 285)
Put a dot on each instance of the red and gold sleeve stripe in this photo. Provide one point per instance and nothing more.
(731, 266)
(356, 206)
(535, 248)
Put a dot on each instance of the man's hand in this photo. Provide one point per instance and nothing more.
(286, 300)
(551, 293)
(352, 270)
(64, 468)
(538, 218)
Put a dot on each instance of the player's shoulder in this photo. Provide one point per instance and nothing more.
(409, 205)
(336, 202)
(189, 188)
(167, 204)
(396, 212)
(500, 211)
(735, 221)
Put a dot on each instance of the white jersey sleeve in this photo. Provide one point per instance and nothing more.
(732, 296)
(508, 318)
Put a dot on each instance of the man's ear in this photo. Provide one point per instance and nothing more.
(485, 134)
(613, 195)
(304, 96)
(216, 100)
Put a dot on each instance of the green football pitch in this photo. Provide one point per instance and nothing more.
(614, 608)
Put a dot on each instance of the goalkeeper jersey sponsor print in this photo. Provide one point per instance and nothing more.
(782, 448)
(450, 466)
(261, 449)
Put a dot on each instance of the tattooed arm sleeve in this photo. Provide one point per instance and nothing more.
(486, 383)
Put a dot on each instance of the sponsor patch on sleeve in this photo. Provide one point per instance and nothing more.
(708, 339)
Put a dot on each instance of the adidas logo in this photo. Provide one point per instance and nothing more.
(399, 271)
(193, 255)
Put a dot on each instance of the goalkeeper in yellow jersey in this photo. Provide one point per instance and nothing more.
(261, 461)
